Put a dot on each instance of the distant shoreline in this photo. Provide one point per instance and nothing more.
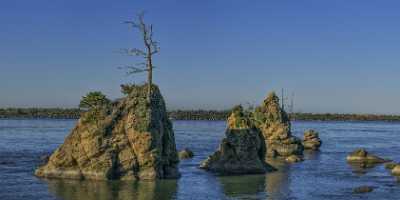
(209, 115)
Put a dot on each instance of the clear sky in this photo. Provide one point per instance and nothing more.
(336, 56)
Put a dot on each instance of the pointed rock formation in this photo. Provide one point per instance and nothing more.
(274, 125)
(241, 152)
(126, 140)
(311, 140)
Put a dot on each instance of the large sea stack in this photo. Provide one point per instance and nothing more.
(130, 139)
(274, 124)
(242, 151)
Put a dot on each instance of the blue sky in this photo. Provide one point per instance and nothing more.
(336, 56)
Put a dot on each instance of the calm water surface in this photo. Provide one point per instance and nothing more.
(324, 175)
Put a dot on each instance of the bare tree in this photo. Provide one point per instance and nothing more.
(150, 48)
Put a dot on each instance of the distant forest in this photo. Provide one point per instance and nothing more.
(74, 113)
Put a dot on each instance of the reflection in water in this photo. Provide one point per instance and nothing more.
(277, 182)
(243, 187)
(105, 190)
(361, 168)
(311, 155)
(272, 186)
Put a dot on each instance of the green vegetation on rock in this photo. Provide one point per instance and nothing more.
(132, 139)
(94, 100)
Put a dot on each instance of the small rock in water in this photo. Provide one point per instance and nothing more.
(185, 154)
(311, 140)
(363, 189)
(362, 156)
(293, 159)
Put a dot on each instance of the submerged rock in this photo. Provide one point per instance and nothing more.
(363, 157)
(311, 140)
(185, 154)
(274, 124)
(363, 189)
(241, 152)
(130, 139)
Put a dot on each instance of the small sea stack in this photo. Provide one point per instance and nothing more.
(273, 122)
(242, 151)
(129, 139)
(311, 140)
(362, 156)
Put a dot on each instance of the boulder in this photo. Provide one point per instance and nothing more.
(274, 124)
(130, 139)
(241, 152)
(396, 170)
(364, 157)
(311, 140)
(185, 154)
(363, 189)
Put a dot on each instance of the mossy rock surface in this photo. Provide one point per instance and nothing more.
(129, 140)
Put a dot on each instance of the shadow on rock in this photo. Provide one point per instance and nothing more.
(105, 190)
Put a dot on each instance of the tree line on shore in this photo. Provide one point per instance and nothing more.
(213, 115)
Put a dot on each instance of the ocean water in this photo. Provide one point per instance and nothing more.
(323, 175)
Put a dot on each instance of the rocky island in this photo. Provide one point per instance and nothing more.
(242, 151)
(129, 139)
(254, 137)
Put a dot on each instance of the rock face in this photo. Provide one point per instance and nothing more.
(274, 124)
(362, 156)
(127, 140)
(241, 152)
(311, 140)
(185, 154)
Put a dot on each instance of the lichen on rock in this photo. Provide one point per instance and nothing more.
(242, 151)
(129, 139)
(274, 124)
